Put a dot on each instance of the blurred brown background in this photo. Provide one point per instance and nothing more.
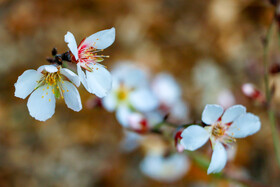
(178, 36)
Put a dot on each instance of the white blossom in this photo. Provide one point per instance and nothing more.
(222, 127)
(169, 94)
(165, 168)
(96, 78)
(130, 95)
(45, 85)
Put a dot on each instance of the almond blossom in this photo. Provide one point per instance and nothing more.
(165, 168)
(130, 141)
(130, 95)
(222, 127)
(250, 91)
(96, 78)
(169, 94)
(46, 85)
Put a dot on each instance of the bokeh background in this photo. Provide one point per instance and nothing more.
(209, 46)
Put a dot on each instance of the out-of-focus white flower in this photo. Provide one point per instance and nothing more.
(96, 79)
(165, 169)
(226, 98)
(169, 95)
(250, 91)
(45, 85)
(177, 139)
(212, 93)
(130, 95)
(130, 141)
(231, 152)
(222, 127)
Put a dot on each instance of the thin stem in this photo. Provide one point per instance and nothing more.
(275, 135)
(265, 63)
(164, 123)
(271, 113)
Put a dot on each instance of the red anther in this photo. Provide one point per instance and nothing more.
(144, 126)
(177, 139)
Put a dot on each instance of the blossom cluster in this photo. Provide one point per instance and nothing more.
(142, 104)
(51, 82)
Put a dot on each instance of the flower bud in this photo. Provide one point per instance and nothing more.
(251, 92)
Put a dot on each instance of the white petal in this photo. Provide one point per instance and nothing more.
(72, 44)
(247, 124)
(41, 103)
(166, 89)
(249, 89)
(211, 114)
(122, 115)
(218, 160)
(110, 102)
(82, 76)
(154, 117)
(26, 83)
(226, 98)
(101, 39)
(130, 75)
(231, 152)
(179, 111)
(232, 113)
(166, 169)
(130, 141)
(143, 100)
(71, 96)
(99, 81)
(194, 137)
(136, 120)
(71, 76)
(48, 68)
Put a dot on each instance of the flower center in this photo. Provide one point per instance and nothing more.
(89, 55)
(55, 82)
(52, 78)
(122, 93)
(219, 132)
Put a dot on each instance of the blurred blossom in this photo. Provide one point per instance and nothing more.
(252, 92)
(215, 86)
(169, 94)
(162, 168)
(231, 152)
(46, 85)
(130, 96)
(130, 141)
(222, 127)
(226, 98)
(166, 89)
(138, 122)
(97, 79)
(93, 102)
(177, 139)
